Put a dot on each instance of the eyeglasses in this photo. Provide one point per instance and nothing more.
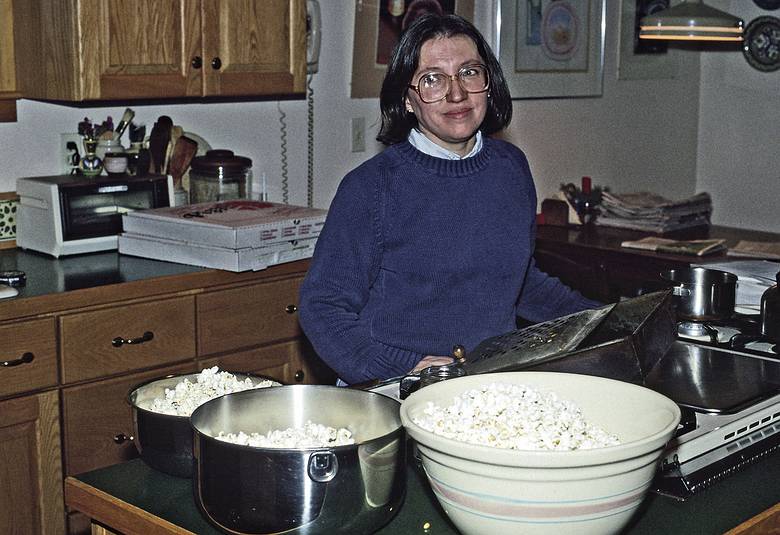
(435, 86)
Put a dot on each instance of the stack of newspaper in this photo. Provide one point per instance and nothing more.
(238, 235)
(652, 213)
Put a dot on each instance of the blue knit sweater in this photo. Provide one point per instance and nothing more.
(419, 254)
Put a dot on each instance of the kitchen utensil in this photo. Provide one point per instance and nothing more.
(703, 294)
(345, 489)
(770, 312)
(181, 157)
(488, 490)
(159, 138)
(176, 133)
(164, 441)
(220, 175)
(127, 117)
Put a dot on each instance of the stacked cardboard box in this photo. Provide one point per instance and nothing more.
(238, 235)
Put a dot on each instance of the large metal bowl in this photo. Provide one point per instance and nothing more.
(164, 441)
(345, 489)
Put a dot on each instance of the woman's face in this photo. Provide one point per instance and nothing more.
(452, 122)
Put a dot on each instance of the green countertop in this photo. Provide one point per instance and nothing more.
(728, 503)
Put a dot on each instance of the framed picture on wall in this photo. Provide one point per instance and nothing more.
(551, 48)
(643, 59)
(378, 24)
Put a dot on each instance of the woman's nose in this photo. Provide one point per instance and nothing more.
(456, 93)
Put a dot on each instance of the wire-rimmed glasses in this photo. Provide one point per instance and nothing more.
(435, 85)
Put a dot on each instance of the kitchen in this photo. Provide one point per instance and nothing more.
(710, 129)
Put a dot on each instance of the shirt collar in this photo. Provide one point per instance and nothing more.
(422, 143)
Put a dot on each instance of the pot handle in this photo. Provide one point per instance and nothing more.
(323, 466)
(682, 292)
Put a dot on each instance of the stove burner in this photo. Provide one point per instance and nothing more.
(739, 341)
(697, 329)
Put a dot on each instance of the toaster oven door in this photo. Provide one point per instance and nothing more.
(94, 210)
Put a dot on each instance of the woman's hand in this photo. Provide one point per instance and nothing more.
(431, 360)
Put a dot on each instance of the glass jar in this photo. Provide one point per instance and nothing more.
(220, 175)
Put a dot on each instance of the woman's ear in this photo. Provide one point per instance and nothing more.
(408, 105)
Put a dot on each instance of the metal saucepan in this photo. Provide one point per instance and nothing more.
(164, 441)
(341, 489)
(704, 294)
(770, 312)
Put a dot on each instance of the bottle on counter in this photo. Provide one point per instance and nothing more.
(220, 175)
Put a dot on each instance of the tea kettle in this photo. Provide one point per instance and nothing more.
(770, 312)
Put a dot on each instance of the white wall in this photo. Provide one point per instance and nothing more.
(640, 135)
(739, 134)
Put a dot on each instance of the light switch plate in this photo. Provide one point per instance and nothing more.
(358, 134)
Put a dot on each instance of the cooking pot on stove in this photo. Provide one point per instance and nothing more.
(703, 294)
(341, 489)
(770, 312)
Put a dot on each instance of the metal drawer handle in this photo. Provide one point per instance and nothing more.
(119, 341)
(197, 62)
(26, 358)
(291, 309)
(299, 376)
(216, 63)
(121, 438)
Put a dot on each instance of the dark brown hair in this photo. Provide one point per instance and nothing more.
(397, 122)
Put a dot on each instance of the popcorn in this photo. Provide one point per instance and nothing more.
(211, 383)
(514, 417)
(311, 435)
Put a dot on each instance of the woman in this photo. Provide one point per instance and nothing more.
(429, 244)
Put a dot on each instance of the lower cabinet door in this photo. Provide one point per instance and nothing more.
(98, 420)
(31, 499)
(292, 362)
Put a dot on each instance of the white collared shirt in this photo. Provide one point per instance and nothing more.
(422, 143)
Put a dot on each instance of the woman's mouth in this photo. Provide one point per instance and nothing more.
(458, 114)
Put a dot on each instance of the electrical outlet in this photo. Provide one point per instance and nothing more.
(71, 150)
(358, 134)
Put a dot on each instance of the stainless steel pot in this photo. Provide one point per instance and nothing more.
(164, 441)
(770, 312)
(345, 489)
(704, 294)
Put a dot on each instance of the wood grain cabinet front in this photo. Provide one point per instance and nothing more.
(28, 356)
(128, 49)
(31, 501)
(247, 316)
(125, 338)
(98, 420)
(7, 63)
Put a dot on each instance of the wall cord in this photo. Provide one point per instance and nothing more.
(310, 142)
(283, 128)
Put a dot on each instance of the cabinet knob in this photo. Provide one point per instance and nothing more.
(121, 438)
(299, 376)
(197, 62)
(291, 309)
(26, 358)
(216, 63)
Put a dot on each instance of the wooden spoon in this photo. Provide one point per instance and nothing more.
(181, 157)
(159, 138)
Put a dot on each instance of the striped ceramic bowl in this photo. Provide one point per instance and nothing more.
(487, 490)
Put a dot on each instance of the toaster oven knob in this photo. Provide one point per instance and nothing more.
(197, 62)
(216, 63)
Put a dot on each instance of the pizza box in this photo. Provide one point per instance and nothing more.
(236, 224)
(244, 259)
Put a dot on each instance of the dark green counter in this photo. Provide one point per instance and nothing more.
(718, 509)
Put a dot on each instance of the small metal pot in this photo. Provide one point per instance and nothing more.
(345, 489)
(164, 441)
(770, 312)
(704, 294)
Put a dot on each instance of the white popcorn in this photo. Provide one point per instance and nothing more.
(311, 435)
(514, 417)
(211, 383)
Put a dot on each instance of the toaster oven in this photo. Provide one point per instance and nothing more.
(71, 214)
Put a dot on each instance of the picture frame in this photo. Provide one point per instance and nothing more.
(638, 62)
(551, 48)
(374, 38)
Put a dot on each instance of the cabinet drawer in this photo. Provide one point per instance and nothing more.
(97, 417)
(248, 316)
(35, 340)
(115, 340)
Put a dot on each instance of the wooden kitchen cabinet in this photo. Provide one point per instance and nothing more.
(8, 93)
(28, 356)
(149, 49)
(126, 337)
(31, 500)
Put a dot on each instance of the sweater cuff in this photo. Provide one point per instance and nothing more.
(392, 362)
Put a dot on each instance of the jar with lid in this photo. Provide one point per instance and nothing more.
(220, 175)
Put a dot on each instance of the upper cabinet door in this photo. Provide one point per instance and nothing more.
(254, 47)
(140, 48)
